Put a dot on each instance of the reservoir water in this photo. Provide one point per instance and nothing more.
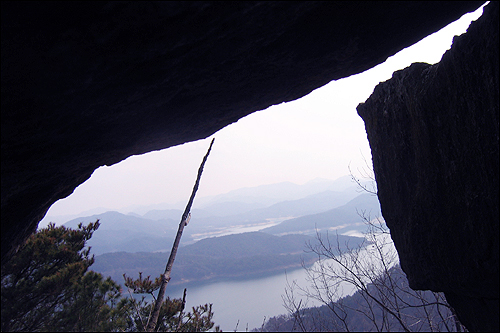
(247, 303)
(243, 303)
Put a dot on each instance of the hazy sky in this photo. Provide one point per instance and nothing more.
(315, 136)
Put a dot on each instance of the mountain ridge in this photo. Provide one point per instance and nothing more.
(245, 255)
(120, 232)
(337, 218)
(261, 198)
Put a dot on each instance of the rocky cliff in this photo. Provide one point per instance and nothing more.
(86, 84)
(433, 132)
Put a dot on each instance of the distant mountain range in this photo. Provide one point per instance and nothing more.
(340, 219)
(132, 243)
(267, 195)
(233, 202)
(131, 233)
(218, 215)
(119, 232)
(324, 204)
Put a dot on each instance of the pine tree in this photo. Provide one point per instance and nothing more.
(172, 317)
(47, 286)
(41, 278)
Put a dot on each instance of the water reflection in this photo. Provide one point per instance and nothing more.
(238, 229)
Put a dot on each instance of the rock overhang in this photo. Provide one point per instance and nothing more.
(91, 83)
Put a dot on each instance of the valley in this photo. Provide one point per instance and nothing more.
(236, 238)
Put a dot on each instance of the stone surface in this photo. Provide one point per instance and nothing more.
(434, 136)
(86, 84)
(90, 83)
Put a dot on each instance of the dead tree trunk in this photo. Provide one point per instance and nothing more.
(166, 275)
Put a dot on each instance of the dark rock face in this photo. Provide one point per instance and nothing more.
(88, 84)
(91, 83)
(434, 135)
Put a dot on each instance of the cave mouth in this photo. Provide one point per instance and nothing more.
(258, 148)
(74, 99)
(92, 83)
(264, 122)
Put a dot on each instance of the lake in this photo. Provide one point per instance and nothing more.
(247, 303)
(239, 229)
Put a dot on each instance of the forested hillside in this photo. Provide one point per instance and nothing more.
(246, 255)
(397, 310)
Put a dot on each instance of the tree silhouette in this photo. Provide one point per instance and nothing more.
(47, 286)
(47, 280)
(383, 300)
(171, 317)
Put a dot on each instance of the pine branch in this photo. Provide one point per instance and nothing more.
(166, 275)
